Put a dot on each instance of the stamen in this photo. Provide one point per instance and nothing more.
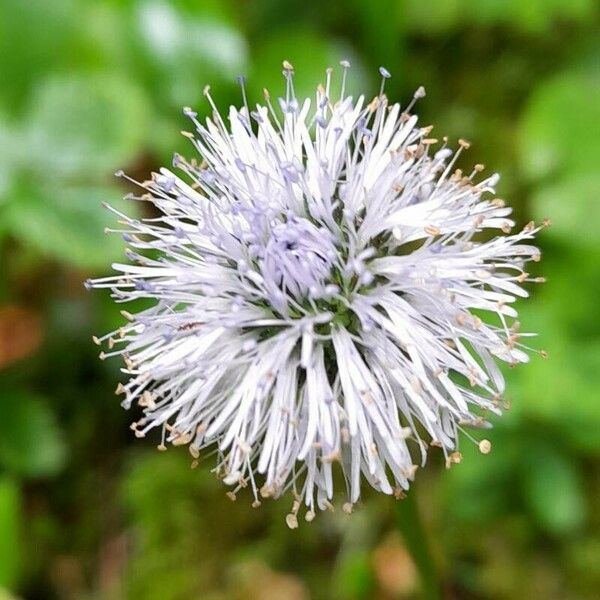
(345, 64)
(242, 83)
(385, 74)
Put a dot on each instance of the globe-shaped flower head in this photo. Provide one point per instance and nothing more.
(324, 301)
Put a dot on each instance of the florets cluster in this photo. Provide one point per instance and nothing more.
(323, 299)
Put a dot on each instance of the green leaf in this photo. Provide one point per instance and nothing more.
(552, 489)
(557, 134)
(573, 205)
(10, 538)
(86, 125)
(68, 223)
(31, 443)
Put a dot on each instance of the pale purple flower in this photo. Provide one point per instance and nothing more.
(321, 290)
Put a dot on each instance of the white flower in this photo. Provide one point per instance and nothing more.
(320, 286)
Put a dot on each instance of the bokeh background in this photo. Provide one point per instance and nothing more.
(89, 512)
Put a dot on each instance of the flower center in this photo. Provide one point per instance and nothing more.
(298, 257)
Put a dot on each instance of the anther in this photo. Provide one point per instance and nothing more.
(432, 230)
(182, 440)
(399, 493)
(453, 459)
(345, 66)
(420, 93)
(291, 521)
(384, 73)
(485, 446)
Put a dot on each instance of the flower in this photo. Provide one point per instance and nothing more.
(323, 299)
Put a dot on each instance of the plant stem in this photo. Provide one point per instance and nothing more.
(416, 541)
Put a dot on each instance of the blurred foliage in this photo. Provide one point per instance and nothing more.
(86, 510)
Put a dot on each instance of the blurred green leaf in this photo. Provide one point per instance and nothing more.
(381, 31)
(573, 205)
(68, 223)
(552, 489)
(35, 37)
(533, 16)
(480, 485)
(221, 10)
(9, 156)
(584, 558)
(86, 126)
(561, 310)
(565, 395)
(354, 576)
(560, 391)
(186, 49)
(557, 132)
(10, 538)
(431, 16)
(173, 541)
(31, 442)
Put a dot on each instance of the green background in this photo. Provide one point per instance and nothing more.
(88, 511)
